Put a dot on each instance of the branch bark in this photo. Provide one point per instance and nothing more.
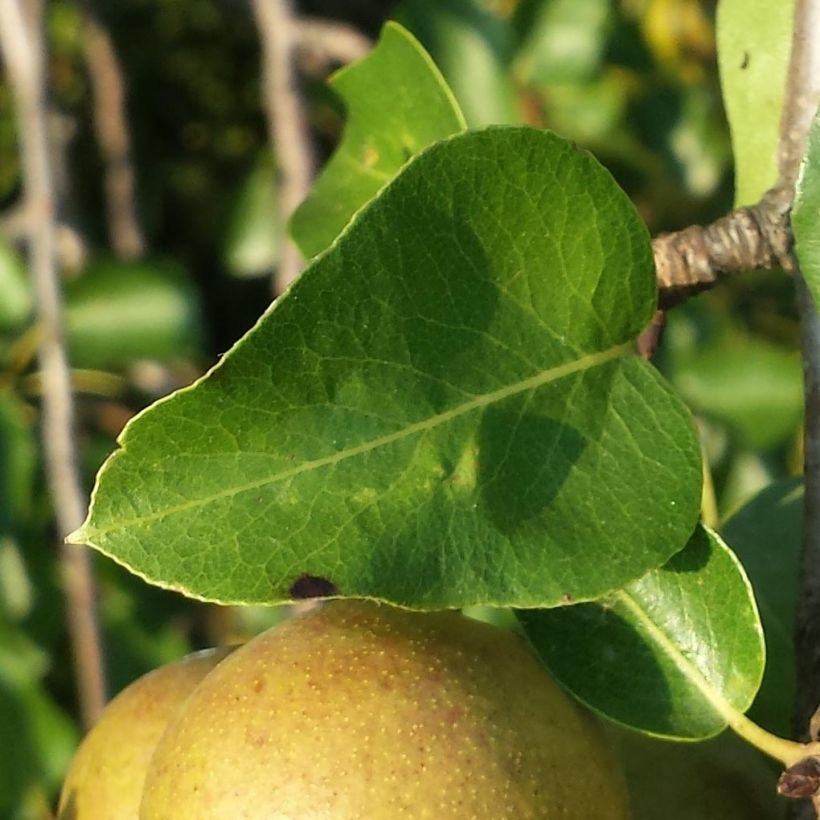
(287, 122)
(802, 98)
(330, 41)
(694, 259)
(22, 45)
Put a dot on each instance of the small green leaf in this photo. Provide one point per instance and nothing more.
(563, 41)
(672, 654)
(754, 42)
(805, 222)
(397, 104)
(252, 244)
(15, 294)
(120, 311)
(767, 535)
(444, 410)
(18, 459)
(473, 48)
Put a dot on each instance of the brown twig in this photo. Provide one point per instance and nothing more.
(801, 101)
(21, 42)
(694, 259)
(111, 126)
(287, 123)
(330, 41)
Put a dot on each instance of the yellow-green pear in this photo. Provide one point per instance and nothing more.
(359, 710)
(719, 779)
(105, 779)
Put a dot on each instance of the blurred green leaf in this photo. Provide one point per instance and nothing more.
(697, 142)
(723, 778)
(18, 459)
(397, 104)
(15, 294)
(120, 311)
(749, 384)
(746, 473)
(253, 239)
(16, 592)
(671, 654)
(754, 42)
(592, 112)
(805, 222)
(767, 536)
(460, 417)
(473, 48)
(36, 737)
(562, 41)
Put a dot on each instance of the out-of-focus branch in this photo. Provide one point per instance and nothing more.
(111, 126)
(330, 41)
(72, 252)
(23, 48)
(287, 123)
(801, 101)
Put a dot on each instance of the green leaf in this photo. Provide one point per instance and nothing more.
(36, 737)
(252, 243)
(723, 778)
(563, 41)
(805, 224)
(767, 535)
(15, 294)
(444, 410)
(397, 104)
(751, 385)
(673, 654)
(120, 311)
(754, 42)
(18, 459)
(473, 48)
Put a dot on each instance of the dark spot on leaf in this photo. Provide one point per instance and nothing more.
(312, 586)
(745, 62)
(801, 780)
(566, 598)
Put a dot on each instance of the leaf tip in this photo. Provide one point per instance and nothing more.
(80, 536)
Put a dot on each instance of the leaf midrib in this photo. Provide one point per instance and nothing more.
(722, 707)
(85, 533)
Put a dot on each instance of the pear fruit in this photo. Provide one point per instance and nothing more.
(105, 779)
(360, 710)
(719, 779)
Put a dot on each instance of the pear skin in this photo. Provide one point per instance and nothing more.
(105, 779)
(360, 710)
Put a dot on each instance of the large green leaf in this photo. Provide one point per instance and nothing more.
(15, 293)
(674, 654)
(805, 222)
(754, 40)
(767, 535)
(444, 410)
(397, 104)
(120, 311)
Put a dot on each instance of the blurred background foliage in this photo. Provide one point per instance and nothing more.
(634, 81)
